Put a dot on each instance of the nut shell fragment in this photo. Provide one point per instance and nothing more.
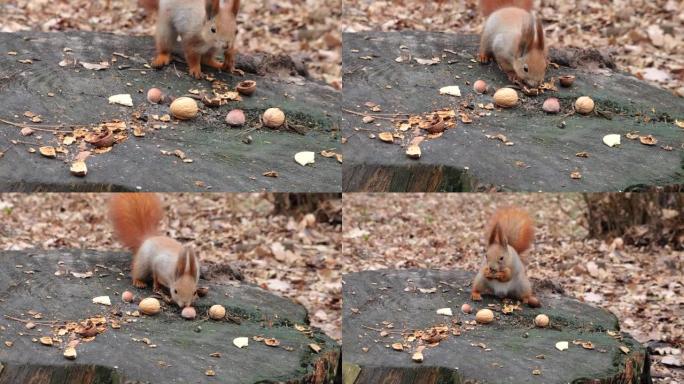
(413, 151)
(48, 151)
(78, 168)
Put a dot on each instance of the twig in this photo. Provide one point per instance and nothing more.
(26, 143)
(371, 115)
(48, 323)
(44, 128)
(381, 330)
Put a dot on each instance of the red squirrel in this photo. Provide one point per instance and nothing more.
(509, 234)
(136, 218)
(514, 37)
(206, 27)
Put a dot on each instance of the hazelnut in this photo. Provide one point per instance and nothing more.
(484, 316)
(551, 105)
(480, 86)
(273, 118)
(506, 97)
(217, 312)
(184, 108)
(584, 105)
(188, 313)
(466, 308)
(235, 118)
(127, 296)
(155, 95)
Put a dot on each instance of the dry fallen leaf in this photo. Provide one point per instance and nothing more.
(397, 347)
(413, 151)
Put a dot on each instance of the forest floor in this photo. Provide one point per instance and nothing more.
(307, 30)
(642, 286)
(286, 255)
(646, 38)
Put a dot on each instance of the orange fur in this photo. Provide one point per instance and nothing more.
(136, 217)
(516, 226)
(489, 6)
(149, 5)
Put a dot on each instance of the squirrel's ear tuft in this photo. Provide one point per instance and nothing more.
(192, 261)
(540, 34)
(235, 7)
(527, 37)
(494, 234)
(497, 236)
(181, 262)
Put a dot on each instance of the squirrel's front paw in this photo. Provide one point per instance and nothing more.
(475, 296)
(139, 283)
(196, 73)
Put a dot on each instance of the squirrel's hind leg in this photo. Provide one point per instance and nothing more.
(164, 38)
(527, 296)
(139, 274)
(479, 287)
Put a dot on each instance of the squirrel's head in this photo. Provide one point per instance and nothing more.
(530, 65)
(498, 251)
(220, 30)
(184, 287)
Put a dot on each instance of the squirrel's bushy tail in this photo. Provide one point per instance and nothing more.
(149, 5)
(135, 216)
(516, 225)
(489, 6)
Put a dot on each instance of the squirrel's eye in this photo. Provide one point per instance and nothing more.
(525, 68)
(175, 291)
(500, 257)
(213, 30)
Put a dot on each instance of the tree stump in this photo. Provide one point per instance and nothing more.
(387, 306)
(543, 148)
(223, 158)
(39, 287)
